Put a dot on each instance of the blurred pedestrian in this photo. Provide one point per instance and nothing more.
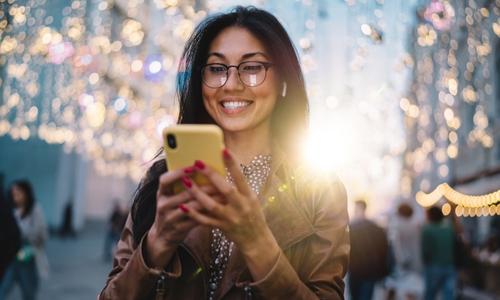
(370, 254)
(10, 236)
(405, 230)
(31, 262)
(438, 240)
(495, 226)
(66, 229)
(116, 223)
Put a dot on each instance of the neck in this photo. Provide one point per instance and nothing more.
(245, 145)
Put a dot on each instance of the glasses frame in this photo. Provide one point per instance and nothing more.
(266, 65)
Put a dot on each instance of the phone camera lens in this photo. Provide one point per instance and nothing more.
(171, 141)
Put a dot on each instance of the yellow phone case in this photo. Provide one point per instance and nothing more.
(194, 142)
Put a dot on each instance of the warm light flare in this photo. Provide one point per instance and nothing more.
(332, 145)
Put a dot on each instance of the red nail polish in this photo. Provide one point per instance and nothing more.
(187, 182)
(188, 170)
(199, 164)
(226, 154)
(183, 208)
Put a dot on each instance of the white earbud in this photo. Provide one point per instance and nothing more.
(283, 92)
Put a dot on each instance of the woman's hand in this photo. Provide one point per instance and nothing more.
(171, 224)
(239, 215)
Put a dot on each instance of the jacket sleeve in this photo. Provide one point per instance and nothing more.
(131, 277)
(323, 256)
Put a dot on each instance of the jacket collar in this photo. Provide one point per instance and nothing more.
(279, 200)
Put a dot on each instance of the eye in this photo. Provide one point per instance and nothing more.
(216, 69)
(251, 68)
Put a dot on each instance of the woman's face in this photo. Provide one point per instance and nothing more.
(236, 107)
(18, 196)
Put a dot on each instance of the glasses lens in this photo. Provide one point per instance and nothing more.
(214, 75)
(252, 73)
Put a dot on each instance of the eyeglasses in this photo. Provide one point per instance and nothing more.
(251, 73)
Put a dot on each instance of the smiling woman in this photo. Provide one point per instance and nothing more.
(272, 229)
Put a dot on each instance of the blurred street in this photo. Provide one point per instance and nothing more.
(71, 259)
(81, 257)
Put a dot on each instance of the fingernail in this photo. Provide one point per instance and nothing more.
(199, 164)
(183, 208)
(226, 154)
(188, 170)
(187, 182)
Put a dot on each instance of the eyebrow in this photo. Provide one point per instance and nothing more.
(244, 56)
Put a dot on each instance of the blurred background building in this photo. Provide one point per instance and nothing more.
(452, 112)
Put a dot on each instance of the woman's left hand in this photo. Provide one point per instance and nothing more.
(238, 214)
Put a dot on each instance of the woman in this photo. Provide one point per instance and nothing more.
(271, 230)
(30, 262)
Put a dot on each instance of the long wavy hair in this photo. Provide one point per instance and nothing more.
(289, 118)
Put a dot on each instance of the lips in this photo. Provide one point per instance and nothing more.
(234, 106)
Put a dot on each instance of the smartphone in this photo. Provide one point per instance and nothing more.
(185, 143)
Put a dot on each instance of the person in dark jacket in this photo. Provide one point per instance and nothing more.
(370, 254)
(438, 241)
(10, 236)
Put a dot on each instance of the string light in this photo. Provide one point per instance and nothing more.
(487, 204)
(443, 88)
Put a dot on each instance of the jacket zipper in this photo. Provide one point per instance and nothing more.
(160, 286)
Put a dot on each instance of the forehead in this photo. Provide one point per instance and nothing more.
(233, 42)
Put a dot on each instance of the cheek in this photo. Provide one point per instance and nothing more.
(205, 95)
(271, 87)
(18, 197)
(208, 95)
(268, 92)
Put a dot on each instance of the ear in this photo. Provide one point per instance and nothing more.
(283, 92)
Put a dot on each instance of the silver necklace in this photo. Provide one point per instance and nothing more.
(221, 248)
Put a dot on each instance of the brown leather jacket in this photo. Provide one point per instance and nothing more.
(307, 214)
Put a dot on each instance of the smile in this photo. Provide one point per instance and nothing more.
(232, 107)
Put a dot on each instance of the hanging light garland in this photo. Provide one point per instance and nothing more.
(488, 204)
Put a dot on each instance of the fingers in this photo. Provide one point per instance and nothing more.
(226, 189)
(178, 215)
(206, 201)
(204, 219)
(169, 202)
(167, 179)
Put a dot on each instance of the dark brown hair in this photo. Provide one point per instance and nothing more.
(25, 186)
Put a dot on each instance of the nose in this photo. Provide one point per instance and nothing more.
(233, 81)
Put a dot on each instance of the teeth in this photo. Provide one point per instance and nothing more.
(234, 104)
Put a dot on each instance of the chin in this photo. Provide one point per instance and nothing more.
(233, 127)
